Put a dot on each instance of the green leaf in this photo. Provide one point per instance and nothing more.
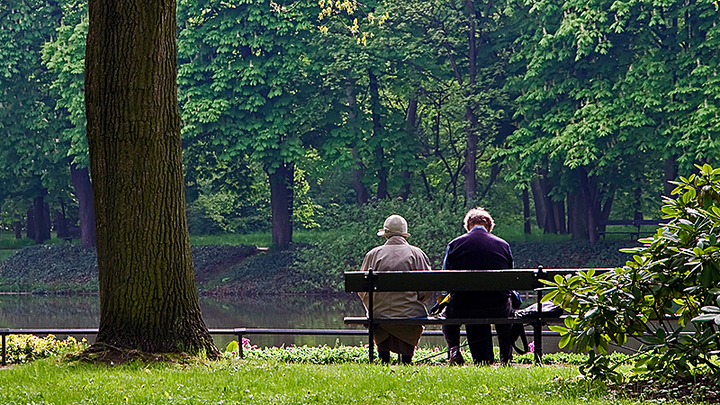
(705, 318)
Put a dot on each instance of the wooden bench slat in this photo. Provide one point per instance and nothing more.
(361, 320)
(452, 280)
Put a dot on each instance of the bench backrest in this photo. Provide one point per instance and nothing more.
(454, 280)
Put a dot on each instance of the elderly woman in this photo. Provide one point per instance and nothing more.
(397, 255)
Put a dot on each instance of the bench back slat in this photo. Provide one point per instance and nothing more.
(453, 280)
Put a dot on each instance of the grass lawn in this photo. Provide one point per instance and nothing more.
(263, 382)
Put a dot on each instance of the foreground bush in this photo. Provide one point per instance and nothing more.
(27, 348)
(674, 276)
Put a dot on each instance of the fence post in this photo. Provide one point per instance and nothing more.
(4, 350)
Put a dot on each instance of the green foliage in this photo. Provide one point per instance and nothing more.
(569, 253)
(8, 241)
(656, 296)
(27, 348)
(64, 56)
(359, 354)
(431, 224)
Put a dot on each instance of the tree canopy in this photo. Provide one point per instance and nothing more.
(586, 109)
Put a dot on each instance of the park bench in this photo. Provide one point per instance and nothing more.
(454, 280)
(637, 223)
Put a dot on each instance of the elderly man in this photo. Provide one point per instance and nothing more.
(478, 249)
(397, 255)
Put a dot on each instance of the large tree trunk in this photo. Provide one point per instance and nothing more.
(358, 171)
(577, 216)
(148, 298)
(596, 205)
(83, 192)
(546, 209)
(281, 202)
(41, 218)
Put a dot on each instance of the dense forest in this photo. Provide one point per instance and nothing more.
(559, 115)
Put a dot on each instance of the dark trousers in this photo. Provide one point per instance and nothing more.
(480, 336)
(479, 339)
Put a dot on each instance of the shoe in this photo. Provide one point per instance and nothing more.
(455, 358)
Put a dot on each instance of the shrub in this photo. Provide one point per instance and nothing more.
(26, 348)
(672, 276)
(431, 224)
(359, 354)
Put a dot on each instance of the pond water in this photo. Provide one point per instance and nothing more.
(282, 311)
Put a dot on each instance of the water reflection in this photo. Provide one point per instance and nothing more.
(283, 311)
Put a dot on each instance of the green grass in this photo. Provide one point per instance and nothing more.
(8, 241)
(8, 244)
(5, 253)
(263, 382)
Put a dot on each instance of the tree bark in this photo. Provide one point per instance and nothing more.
(18, 230)
(281, 202)
(61, 227)
(148, 298)
(545, 207)
(41, 218)
(577, 216)
(670, 174)
(83, 192)
(527, 229)
(539, 203)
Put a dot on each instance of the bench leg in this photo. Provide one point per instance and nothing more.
(537, 338)
(371, 318)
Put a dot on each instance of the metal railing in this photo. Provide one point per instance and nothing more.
(239, 332)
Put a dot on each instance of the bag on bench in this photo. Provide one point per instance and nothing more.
(518, 329)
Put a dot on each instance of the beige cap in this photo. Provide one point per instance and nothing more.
(394, 225)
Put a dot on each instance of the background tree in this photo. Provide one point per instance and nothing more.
(148, 299)
(249, 88)
(64, 55)
(28, 120)
(604, 81)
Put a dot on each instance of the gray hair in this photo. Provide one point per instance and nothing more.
(478, 216)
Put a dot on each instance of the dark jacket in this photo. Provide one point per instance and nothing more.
(478, 250)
